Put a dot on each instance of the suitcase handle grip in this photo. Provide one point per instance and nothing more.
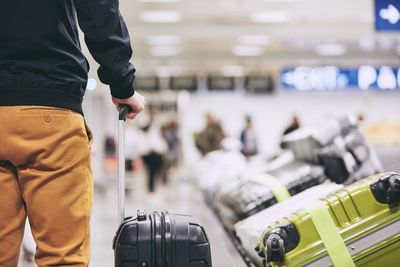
(125, 109)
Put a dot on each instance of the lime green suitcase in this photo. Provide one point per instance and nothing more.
(357, 226)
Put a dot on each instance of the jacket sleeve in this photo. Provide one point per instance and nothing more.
(107, 38)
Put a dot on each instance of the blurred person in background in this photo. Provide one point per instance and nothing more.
(153, 148)
(132, 137)
(293, 126)
(248, 139)
(45, 168)
(170, 133)
(28, 245)
(209, 139)
(360, 119)
(110, 147)
(110, 154)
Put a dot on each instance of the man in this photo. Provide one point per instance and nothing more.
(248, 139)
(153, 147)
(45, 172)
(209, 139)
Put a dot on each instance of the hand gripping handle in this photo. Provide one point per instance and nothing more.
(125, 109)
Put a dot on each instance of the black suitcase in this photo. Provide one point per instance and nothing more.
(339, 164)
(161, 240)
(251, 196)
(157, 239)
(349, 158)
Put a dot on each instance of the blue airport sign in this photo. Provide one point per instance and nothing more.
(333, 78)
(387, 15)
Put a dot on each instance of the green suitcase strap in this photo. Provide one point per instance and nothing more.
(329, 235)
(278, 189)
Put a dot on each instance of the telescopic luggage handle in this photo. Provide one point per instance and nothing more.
(125, 109)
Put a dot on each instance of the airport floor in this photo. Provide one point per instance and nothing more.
(179, 196)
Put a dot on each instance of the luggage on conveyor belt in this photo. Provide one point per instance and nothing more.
(339, 163)
(338, 145)
(218, 165)
(305, 142)
(249, 230)
(216, 168)
(262, 190)
(357, 226)
(349, 158)
(231, 176)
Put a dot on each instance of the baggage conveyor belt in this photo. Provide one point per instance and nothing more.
(235, 243)
(389, 155)
(235, 256)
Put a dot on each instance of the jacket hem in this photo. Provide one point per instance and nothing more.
(37, 97)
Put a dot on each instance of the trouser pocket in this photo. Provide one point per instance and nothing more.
(89, 132)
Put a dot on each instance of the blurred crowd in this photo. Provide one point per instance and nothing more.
(153, 145)
(210, 137)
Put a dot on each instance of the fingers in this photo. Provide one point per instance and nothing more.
(135, 111)
(136, 102)
(132, 115)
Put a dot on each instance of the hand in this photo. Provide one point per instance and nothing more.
(136, 102)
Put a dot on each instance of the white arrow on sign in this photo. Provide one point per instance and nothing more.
(390, 14)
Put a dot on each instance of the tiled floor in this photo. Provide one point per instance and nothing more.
(179, 196)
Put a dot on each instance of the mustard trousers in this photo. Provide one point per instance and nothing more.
(45, 175)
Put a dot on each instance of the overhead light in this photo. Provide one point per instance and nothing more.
(233, 71)
(247, 50)
(165, 51)
(163, 40)
(167, 71)
(331, 50)
(254, 39)
(270, 17)
(386, 44)
(158, 1)
(367, 17)
(161, 16)
(366, 43)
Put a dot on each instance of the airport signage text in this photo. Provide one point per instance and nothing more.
(333, 78)
(387, 15)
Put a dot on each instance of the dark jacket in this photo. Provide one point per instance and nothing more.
(41, 62)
